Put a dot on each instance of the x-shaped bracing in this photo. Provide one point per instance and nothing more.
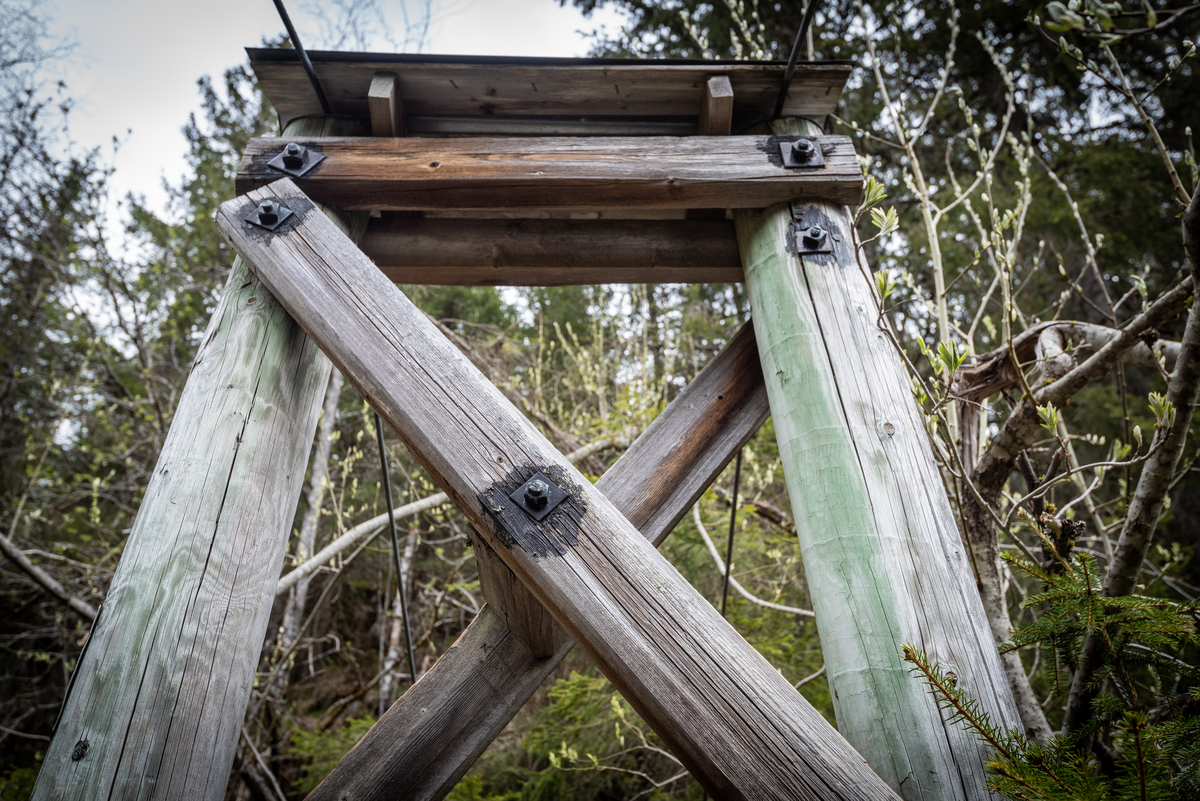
(724, 711)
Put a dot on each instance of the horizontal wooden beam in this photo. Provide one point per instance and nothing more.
(736, 724)
(433, 734)
(481, 95)
(495, 252)
(370, 174)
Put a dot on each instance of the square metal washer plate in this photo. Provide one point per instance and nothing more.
(554, 496)
(313, 158)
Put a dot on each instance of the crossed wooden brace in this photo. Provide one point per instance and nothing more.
(722, 709)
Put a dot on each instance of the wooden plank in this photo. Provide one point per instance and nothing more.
(716, 107)
(883, 557)
(368, 174)
(160, 693)
(505, 95)
(428, 739)
(525, 252)
(731, 719)
(386, 106)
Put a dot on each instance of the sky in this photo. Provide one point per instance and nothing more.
(135, 63)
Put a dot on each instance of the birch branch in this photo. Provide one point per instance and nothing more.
(742, 591)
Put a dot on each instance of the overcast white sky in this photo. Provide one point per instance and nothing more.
(134, 70)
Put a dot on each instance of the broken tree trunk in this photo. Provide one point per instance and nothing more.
(723, 710)
(884, 561)
(157, 700)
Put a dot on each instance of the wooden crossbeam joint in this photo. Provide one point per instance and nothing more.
(723, 710)
(534, 173)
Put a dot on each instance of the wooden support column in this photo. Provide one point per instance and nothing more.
(386, 105)
(156, 703)
(433, 734)
(716, 107)
(883, 558)
(738, 726)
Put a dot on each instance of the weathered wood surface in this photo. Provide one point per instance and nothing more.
(716, 107)
(431, 736)
(487, 95)
(160, 694)
(883, 557)
(730, 718)
(386, 106)
(373, 174)
(474, 252)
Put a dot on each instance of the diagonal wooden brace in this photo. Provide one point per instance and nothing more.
(433, 734)
(723, 710)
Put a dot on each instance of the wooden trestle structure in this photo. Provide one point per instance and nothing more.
(545, 172)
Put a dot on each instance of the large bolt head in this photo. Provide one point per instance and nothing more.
(537, 493)
(268, 213)
(803, 150)
(294, 156)
(814, 237)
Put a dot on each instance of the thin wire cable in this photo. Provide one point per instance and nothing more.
(387, 487)
(308, 66)
(809, 11)
(737, 480)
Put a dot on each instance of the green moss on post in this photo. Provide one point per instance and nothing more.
(158, 698)
(883, 558)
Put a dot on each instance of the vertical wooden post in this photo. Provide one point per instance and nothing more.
(883, 558)
(157, 700)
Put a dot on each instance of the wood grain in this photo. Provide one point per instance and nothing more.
(464, 95)
(491, 252)
(386, 106)
(161, 692)
(369, 174)
(716, 107)
(723, 710)
(881, 551)
(431, 736)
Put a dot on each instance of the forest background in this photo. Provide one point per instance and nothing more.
(1030, 164)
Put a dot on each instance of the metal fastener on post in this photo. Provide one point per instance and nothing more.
(294, 155)
(269, 215)
(296, 160)
(535, 494)
(802, 150)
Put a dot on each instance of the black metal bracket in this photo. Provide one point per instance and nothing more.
(296, 160)
(538, 496)
(811, 232)
(802, 152)
(270, 215)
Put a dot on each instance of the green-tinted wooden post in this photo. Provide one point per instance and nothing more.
(883, 558)
(158, 698)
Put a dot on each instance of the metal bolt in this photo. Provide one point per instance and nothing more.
(536, 494)
(814, 236)
(294, 156)
(268, 213)
(80, 750)
(803, 150)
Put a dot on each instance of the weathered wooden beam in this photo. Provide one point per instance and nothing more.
(483, 95)
(496, 252)
(731, 719)
(386, 105)
(882, 555)
(158, 697)
(716, 107)
(722, 172)
(433, 734)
